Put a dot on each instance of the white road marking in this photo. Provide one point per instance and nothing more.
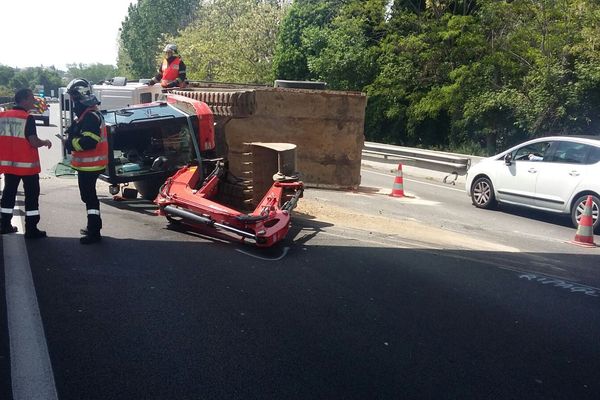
(284, 253)
(562, 283)
(31, 370)
(416, 181)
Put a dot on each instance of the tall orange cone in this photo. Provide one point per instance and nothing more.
(398, 188)
(585, 229)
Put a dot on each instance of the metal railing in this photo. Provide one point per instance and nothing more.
(455, 164)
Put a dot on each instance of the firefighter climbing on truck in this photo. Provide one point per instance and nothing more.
(171, 72)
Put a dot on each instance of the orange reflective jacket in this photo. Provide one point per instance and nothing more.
(17, 156)
(97, 158)
(170, 71)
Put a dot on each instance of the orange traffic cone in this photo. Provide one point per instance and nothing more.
(585, 229)
(398, 188)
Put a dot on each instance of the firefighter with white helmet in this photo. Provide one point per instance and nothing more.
(171, 72)
(88, 144)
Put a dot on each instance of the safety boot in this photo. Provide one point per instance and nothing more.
(91, 234)
(8, 229)
(90, 239)
(35, 234)
(31, 229)
(5, 225)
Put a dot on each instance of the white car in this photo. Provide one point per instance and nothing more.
(555, 174)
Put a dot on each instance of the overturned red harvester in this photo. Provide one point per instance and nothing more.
(200, 202)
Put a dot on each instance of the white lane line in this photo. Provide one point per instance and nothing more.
(416, 181)
(31, 370)
(283, 254)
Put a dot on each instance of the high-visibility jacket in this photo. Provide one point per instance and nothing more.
(17, 155)
(170, 71)
(95, 159)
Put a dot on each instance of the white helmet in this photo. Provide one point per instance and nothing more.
(170, 47)
(80, 91)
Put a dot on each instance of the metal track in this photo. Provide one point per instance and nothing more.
(224, 102)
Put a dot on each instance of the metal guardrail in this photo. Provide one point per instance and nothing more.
(435, 160)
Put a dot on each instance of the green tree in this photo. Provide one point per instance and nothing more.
(14, 79)
(93, 72)
(143, 30)
(344, 53)
(50, 78)
(6, 74)
(535, 83)
(232, 41)
(303, 19)
(454, 74)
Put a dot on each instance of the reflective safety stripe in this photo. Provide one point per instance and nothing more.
(89, 159)
(93, 212)
(91, 169)
(6, 211)
(76, 145)
(5, 163)
(32, 213)
(92, 135)
(12, 124)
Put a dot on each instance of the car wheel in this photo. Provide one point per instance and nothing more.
(578, 208)
(482, 193)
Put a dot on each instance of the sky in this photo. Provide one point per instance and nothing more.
(60, 32)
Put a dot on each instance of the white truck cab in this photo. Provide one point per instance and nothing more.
(113, 96)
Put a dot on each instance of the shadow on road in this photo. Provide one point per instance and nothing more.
(330, 319)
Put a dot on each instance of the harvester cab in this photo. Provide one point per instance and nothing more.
(150, 142)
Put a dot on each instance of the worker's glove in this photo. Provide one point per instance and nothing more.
(69, 144)
(150, 82)
(172, 84)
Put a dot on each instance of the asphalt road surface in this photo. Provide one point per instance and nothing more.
(335, 312)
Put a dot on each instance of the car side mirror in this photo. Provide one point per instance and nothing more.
(508, 159)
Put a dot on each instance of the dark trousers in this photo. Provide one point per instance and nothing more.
(87, 190)
(31, 186)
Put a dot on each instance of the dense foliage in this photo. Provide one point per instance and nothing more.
(231, 41)
(143, 32)
(470, 75)
(12, 79)
(464, 74)
(50, 78)
(94, 73)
